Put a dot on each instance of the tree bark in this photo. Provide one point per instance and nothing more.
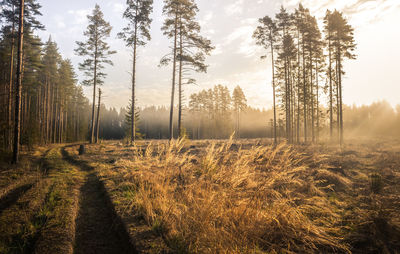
(330, 89)
(304, 92)
(171, 115)
(98, 118)
(17, 126)
(133, 109)
(94, 93)
(340, 97)
(180, 80)
(10, 86)
(273, 86)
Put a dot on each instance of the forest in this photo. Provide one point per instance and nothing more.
(208, 173)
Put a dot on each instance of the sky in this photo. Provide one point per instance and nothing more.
(229, 24)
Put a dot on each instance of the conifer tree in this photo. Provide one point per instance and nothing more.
(239, 105)
(190, 48)
(97, 53)
(193, 48)
(136, 34)
(128, 122)
(344, 45)
(328, 29)
(170, 29)
(266, 35)
(9, 14)
(18, 84)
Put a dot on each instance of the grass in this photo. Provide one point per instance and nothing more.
(40, 219)
(249, 197)
(223, 196)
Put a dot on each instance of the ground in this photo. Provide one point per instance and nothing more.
(226, 196)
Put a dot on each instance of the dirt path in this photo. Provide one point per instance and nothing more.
(98, 229)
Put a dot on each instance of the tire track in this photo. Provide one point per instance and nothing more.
(98, 228)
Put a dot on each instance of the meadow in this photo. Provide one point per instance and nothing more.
(212, 196)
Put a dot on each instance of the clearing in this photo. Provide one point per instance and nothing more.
(208, 196)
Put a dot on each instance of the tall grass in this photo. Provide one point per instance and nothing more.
(229, 200)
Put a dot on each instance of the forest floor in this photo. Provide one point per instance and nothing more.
(223, 196)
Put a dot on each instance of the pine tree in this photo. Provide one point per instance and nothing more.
(170, 29)
(239, 105)
(97, 52)
(344, 45)
(193, 48)
(266, 35)
(128, 122)
(17, 124)
(328, 29)
(10, 13)
(50, 61)
(136, 34)
(189, 50)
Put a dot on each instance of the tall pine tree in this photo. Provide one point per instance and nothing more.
(97, 53)
(136, 34)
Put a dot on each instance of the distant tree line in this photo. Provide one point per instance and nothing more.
(379, 119)
(40, 100)
(306, 63)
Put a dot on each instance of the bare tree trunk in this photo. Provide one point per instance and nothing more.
(312, 99)
(340, 97)
(337, 102)
(10, 86)
(304, 92)
(286, 99)
(94, 94)
(330, 90)
(17, 127)
(298, 87)
(98, 118)
(77, 136)
(180, 80)
(171, 115)
(133, 109)
(317, 81)
(48, 112)
(273, 87)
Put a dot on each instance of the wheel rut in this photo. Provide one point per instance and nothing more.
(98, 228)
(13, 196)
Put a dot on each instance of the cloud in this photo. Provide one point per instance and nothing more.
(241, 38)
(118, 7)
(80, 16)
(59, 21)
(235, 8)
(360, 11)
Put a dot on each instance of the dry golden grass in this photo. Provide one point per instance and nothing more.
(216, 197)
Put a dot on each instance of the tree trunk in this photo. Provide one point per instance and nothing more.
(98, 118)
(94, 94)
(298, 88)
(180, 80)
(171, 115)
(133, 109)
(273, 87)
(304, 92)
(17, 126)
(317, 86)
(340, 97)
(286, 99)
(312, 99)
(10, 87)
(337, 101)
(330, 90)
